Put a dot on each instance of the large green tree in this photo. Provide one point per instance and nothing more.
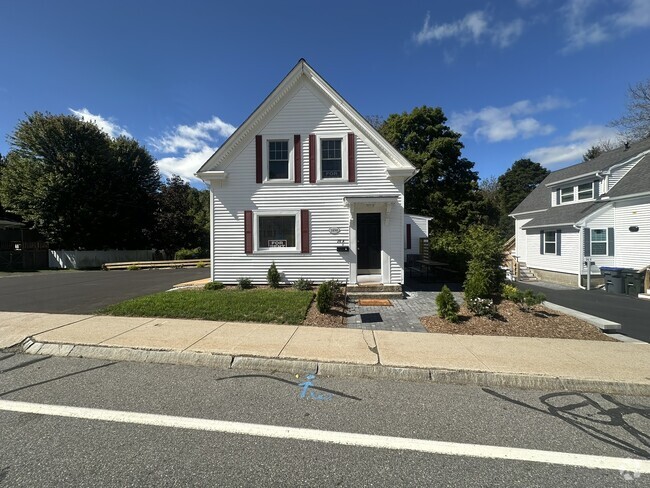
(77, 186)
(446, 187)
(515, 185)
(182, 217)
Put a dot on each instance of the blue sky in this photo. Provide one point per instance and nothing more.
(518, 78)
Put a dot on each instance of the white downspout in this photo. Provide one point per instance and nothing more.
(580, 255)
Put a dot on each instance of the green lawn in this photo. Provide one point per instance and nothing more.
(283, 306)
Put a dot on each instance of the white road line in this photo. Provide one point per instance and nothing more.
(332, 437)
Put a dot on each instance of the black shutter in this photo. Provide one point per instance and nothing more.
(558, 242)
(557, 197)
(587, 241)
(610, 241)
(541, 242)
(596, 189)
(258, 159)
(408, 236)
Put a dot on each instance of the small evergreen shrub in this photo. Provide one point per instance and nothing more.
(200, 264)
(303, 284)
(509, 292)
(478, 281)
(273, 276)
(195, 253)
(244, 283)
(214, 285)
(447, 305)
(482, 307)
(325, 296)
(528, 300)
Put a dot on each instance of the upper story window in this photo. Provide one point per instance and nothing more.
(332, 157)
(278, 166)
(586, 191)
(566, 195)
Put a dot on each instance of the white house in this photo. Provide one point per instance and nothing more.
(416, 227)
(597, 211)
(307, 183)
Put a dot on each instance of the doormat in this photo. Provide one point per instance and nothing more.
(375, 302)
(367, 318)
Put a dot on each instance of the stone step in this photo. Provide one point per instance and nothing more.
(354, 296)
(374, 288)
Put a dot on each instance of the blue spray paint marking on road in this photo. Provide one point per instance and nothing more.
(312, 395)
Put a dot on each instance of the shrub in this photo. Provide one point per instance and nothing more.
(478, 281)
(510, 292)
(527, 300)
(195, 253)
(214, 285)
(325, 296)
(200, 264)
(132, 267)
(482, 307)
(303, 285)
(244, 283)
(273, 276)
(447, 305)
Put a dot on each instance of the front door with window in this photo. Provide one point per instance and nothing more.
(368, 243)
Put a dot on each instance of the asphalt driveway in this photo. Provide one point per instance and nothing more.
(632, 313)
(85, 291)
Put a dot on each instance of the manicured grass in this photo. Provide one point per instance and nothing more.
(283, 306)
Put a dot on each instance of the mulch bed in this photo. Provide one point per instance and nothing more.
(511, 321)
(334, 318)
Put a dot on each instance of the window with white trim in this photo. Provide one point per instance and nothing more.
(332, 157)
(549, 242)
(278, 159)
(586, 191)
(277, 231)
(599, 242)
(566, 195)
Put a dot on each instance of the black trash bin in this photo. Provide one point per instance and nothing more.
(614, 279)
(634, 282)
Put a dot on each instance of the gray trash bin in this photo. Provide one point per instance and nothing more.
(634, 282)
(614, 279)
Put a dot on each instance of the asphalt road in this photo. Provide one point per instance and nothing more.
(46, 450)
(632, 313)
(85, 291)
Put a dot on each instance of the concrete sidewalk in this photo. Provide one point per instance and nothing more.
(609, 367)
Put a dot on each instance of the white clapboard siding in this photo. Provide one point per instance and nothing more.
(303, 114)
(521, 244)
(566, 262)
(618, 173)
(603, 220)
(632, 249)
(419, 230)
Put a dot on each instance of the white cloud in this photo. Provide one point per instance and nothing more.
(105, 125)
(570, 149)
(192, 138)
(187, 164)
(497, 124)
(584, 30)
(187, 147)
(475, 26)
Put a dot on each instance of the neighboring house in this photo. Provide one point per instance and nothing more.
(307, 183)
(416, 227)
(598, 210)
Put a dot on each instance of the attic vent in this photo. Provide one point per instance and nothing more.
(627, 145)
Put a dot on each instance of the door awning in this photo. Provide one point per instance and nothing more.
(381, 201)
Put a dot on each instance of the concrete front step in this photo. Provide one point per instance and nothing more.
(382, 294)
(645, 296)
(374, 291)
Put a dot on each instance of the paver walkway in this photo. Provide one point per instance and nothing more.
(402, 316)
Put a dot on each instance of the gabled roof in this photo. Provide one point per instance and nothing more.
(563, 214)
(540, 198)
(636, 181)
(302, 72)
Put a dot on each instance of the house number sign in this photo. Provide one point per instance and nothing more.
(278, 243)
(334, 230)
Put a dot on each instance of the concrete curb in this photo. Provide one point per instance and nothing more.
(602, 324)
(379, 371)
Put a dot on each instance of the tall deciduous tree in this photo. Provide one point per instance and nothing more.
(446, 187)
(635, 123)
(77, 186)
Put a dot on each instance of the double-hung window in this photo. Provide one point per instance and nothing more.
(586, 191)
(277, 231)
(599, 242)
(566, 195)
(331, 158)
(549, 242)
(278, 160)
